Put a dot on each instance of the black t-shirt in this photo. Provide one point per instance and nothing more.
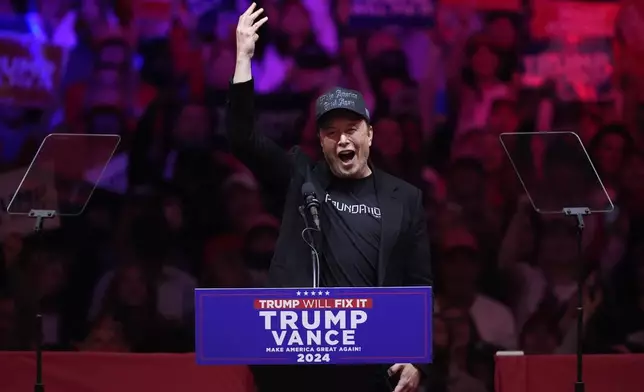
(352, 241)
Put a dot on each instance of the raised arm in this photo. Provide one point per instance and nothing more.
(268, 161)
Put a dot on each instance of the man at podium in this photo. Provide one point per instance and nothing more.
(372, 230)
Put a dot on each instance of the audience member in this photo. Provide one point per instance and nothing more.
(258, 248)
(461, 267)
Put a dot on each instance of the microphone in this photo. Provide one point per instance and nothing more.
(311, 203)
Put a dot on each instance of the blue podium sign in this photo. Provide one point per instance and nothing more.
(313, 326)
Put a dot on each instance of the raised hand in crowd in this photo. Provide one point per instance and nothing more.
(515, 246)
(592, 296)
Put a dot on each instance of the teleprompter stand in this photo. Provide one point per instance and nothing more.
(561, 181)
(40, 216)
(59, 182)
(579, 213)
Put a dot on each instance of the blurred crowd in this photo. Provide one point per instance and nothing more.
(186, 214)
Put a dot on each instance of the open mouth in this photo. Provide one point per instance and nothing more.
(347, 156)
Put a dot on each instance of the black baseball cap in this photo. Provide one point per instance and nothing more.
(341, 98)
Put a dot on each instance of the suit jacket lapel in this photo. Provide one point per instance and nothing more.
(391, 217)
(322, 175)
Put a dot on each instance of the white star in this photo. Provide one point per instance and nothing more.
(313, 293)
(299, 293)
(319, 293)
(327, 293)
(306, 293)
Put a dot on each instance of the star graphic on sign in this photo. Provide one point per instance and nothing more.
(313, 293)
(299, 293)
(319, 293)
(306, 293)
(327, 293)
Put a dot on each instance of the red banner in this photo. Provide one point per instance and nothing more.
(30, 71)
(486, 5)
(153, 9)
(556, 373)
(115, 372)
(581, 71)
(573, 19)
(153, 17)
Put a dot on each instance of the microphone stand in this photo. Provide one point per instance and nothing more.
(309, 238)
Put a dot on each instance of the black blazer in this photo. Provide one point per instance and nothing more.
(404, 258)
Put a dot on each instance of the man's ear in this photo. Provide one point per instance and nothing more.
(370, 134)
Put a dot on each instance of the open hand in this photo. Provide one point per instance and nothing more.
(593, 295)
(409, 377)
(247, 31)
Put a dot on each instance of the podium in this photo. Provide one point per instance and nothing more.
(313, 326)
(60, 181)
